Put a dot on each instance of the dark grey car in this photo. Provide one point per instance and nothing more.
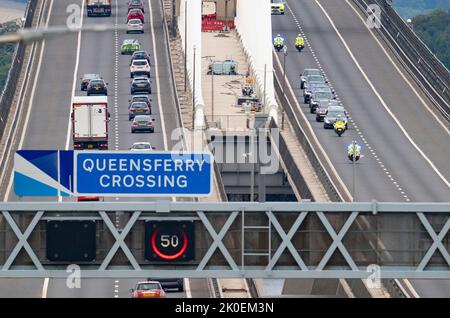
(141, 85)
(319, 96)
(332, 115)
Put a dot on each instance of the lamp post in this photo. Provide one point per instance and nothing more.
(284, 83)
(185, 45)
(354, 147)
(174, 19)
(212, 86)
(193, 90)
(226, 15)
(252, 174)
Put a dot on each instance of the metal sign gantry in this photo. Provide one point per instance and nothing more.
(252, 240)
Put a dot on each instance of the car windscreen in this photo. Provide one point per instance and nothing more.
(142, 118)
(323, 95)
(148, 286)
(141, 146)
(316, 78)
(140, 63)
(135, 21)
(95, 82)
(139, 105)
(311, 72)
(140, 99)
(334, 114)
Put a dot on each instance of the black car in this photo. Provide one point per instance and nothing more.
(141, 85)
(97, 87)
(86, 79)
(140, 55)
(171, 283)
(142, 98)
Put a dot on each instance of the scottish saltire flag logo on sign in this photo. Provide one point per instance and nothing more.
(43, 173)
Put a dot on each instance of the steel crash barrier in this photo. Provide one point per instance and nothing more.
(421, 63)
(252, 240)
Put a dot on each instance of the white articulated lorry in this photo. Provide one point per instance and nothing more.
(90, 122)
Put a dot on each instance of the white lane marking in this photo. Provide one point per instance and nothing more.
(75, 76)
(351, 120)
(30, 104)
(400, 72)
(411, 288)
(158, 91)
(45, 287)
(380, 98)
(187, 288)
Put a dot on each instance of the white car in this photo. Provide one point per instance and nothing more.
(139, 67)
(135, 26)
(142, 146)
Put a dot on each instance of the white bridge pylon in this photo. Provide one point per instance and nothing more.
(251, 15)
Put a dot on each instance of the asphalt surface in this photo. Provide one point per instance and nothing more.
(403, 163)
(392, 169)
(49, 118)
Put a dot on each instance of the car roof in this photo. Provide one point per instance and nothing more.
(130, 41)
(336, 108)
(148, 282)
(141, 143)
(91, 75)
(139, 103)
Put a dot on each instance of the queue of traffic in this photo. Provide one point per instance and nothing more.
(90, 115)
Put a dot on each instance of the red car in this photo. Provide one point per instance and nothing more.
(88, 198)
(135, 14)
(136, 4)
(149, 289)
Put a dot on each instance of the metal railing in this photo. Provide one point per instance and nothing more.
(9, 90)
(426, 69)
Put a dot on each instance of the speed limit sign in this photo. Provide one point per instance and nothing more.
(169, 241)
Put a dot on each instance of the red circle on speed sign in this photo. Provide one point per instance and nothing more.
(166, 256)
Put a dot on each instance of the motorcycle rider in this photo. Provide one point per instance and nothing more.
(299, 41)
(278, 40)
(339, 123)
(357, 153)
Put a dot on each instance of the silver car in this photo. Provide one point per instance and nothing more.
(307, 72)
(142, 123)
(142, 146)
(135, 26)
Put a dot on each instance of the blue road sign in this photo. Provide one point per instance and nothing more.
(112, 173)
(142, 174)
(43, 173)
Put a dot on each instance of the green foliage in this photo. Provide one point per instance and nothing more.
(434, 30)
(411, 8)
(6, 53)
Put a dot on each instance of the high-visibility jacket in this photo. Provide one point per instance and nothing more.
(299, 41)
